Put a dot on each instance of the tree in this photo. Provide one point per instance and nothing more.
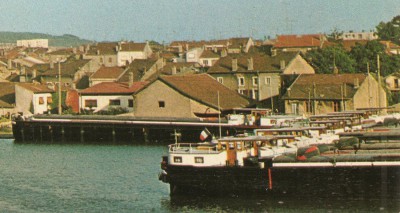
(324, 60)
(390, 30)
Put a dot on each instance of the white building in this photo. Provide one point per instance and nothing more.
(33, 98)
(359, 36)
(42, 43)
(129, 51)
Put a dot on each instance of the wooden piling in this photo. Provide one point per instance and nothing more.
(82, 135)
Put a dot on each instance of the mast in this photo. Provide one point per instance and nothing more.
(59, 89)
(219, 116)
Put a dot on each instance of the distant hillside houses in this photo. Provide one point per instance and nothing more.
(179, 79)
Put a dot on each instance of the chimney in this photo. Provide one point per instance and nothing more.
(173, 71)
(130, 79)
(9, 64)
(34, 73)
(356, 83)
(283, 64)
(250, 64)
(224, 53)
(273, 52)
(187, 47)
(234, 64)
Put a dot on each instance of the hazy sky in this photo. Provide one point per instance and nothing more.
(167, 20)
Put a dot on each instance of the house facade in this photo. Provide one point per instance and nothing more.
(33, 98)
(129, 51)
(107, 95)
(185, 96)
(258, 75)
(325, 93)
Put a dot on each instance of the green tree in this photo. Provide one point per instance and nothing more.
(389, 30)
(324, 60)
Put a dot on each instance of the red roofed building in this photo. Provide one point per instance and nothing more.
(106, 74)
(106, 95)
(296, 43)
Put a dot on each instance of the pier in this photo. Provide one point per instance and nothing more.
(116, 129)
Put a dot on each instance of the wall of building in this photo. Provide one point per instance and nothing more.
(298, 66)
(176, 105)
(106, 60)
(369, 90)
(23, 100)
(103, 102)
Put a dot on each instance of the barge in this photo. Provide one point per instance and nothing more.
(249, 165)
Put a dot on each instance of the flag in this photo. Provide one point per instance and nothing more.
(204, 134)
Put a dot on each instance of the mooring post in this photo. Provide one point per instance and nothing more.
(22, 134)
(113, 134)
(51, 133)
(33, 133)
(62, 134)
(82, 134)
(146, 135)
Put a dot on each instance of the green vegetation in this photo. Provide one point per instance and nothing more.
(65, 40)
(110, 111)
(390, 30)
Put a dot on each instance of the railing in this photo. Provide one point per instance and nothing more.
(194, 148)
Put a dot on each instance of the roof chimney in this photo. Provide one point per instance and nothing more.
(234, 64)
(34, 73)
(130, 79)
(250, 64)
(224, 53)
(173, 70)
(282, 64)
(335, 70)
(9, 64)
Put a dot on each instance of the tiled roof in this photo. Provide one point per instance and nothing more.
(261, 62)
(131, 46)
(209, 54)
(167, 69)
(69, 67)
(205, 89)
(108, 72)
(327, 86)
(36, 88)
(66, 51)
(238, 42)
(108, 88)
(7, 94)
(137, 67)
(310, 40)
(104, 48)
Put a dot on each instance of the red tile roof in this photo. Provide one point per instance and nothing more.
(108, 72)
(109, 88)
(310, 40)
(137, 67)
(205, 89)
(36, 88)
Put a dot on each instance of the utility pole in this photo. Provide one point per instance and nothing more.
(59, 89)
(379, 84)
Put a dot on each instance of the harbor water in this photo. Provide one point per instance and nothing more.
(124, 178)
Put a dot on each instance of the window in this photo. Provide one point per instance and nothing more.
(110, 60)
(268, 80)
(309, 106)
(130, 103)
(49, 100)
(336, 106)
(177, 159)
(205, 62)
(255, 81)
(220, 80)
(240, 91)
(198, 159)
(115, 102)
(241, 81)
(41, 100)
(90, 103)
(161, 104)
(254, 93)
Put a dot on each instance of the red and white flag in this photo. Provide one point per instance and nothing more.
(204, 134)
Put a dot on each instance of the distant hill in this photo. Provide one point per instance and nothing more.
(65, 40)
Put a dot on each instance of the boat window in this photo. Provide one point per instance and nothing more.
(198, 159)
(177, 159)
(231, 145)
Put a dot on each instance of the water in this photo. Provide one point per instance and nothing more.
(105, 178)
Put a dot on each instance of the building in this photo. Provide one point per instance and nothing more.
(257, 75)
(33, 98)
(325, 93)
(359, 36)
(43, 43)
(106, 74)
(129, 51)
(185, 96)
(107, 95)
(296, 43)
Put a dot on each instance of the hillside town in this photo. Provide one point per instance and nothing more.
(184, 79)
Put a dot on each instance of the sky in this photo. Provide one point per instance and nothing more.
(169, 20)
